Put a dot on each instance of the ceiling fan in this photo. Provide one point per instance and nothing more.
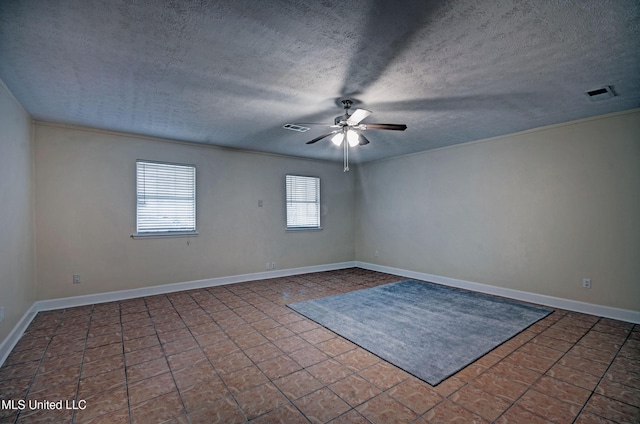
(349, 127)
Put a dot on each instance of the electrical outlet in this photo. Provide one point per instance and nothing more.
(586, 283)
(268, 266)
(273, 265)
(76, 278)
(1, 313)
(377, 254)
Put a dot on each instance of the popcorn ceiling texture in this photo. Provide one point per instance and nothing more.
(231, 73)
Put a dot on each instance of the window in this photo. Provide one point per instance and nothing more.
(165, 198)
(303, 202)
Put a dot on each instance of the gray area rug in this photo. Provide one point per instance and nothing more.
(428, 330)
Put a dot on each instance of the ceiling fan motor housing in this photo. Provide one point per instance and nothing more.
(341, 119)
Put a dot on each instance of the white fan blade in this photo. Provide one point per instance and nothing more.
(358, 116)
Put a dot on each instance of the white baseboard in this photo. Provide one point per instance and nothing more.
(90, 299)
(10, 341)
(555, 302)
(69, 302)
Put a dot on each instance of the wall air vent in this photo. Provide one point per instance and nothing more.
(294, 127)
(600, 93)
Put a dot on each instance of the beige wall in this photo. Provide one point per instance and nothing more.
(85, 193)
(535, 211)
(17, 289)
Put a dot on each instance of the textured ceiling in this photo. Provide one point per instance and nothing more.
(231, 73)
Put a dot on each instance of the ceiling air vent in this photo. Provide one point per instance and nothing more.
(600, 93)
(294, 127)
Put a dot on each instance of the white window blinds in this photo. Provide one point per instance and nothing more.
(166, 197)
(303, 202)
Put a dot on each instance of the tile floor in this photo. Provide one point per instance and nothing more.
(236, 353)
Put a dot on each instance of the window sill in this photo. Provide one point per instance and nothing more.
(304, 229)
(164, 235)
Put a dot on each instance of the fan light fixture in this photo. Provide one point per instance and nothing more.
(353, 138)
(337, 139)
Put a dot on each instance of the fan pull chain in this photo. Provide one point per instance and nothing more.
(346, 155)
